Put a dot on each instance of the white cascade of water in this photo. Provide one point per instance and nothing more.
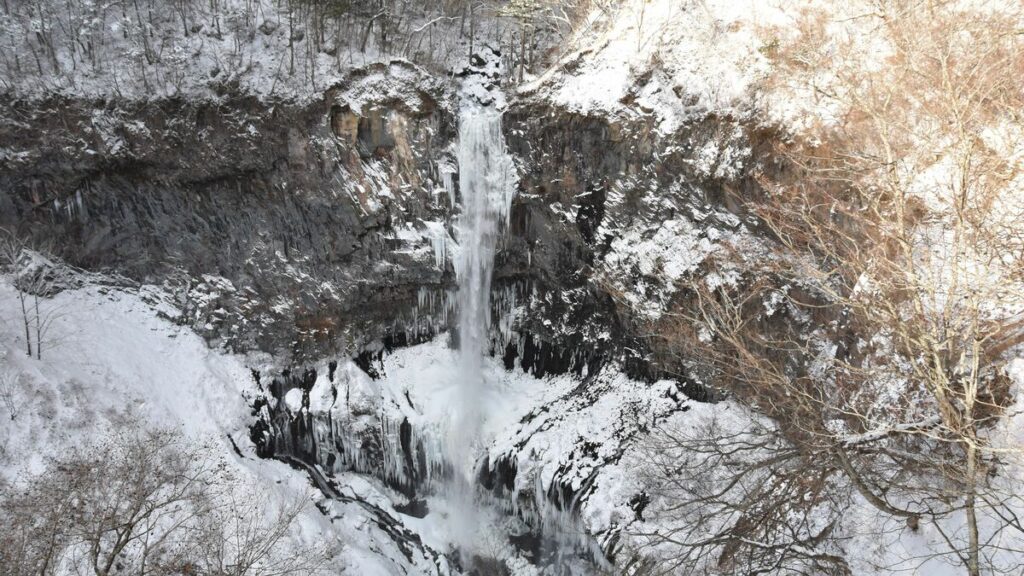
(487, 183)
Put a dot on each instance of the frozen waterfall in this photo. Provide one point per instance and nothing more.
(487, 185)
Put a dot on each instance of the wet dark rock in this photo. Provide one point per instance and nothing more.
(417, 508)
(639, 503)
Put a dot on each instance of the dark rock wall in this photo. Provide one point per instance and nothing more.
(272, 222)
(569, 163)
(364, 439)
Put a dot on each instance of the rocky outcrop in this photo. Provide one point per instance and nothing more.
(298, 230)
(339, 420)
(610, 214)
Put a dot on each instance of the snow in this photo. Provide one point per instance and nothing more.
(694, 58)
(259, 46)
(540, 423)
(649, 257)
(112, 353)
(115, 359)
(421, 384)
(579, 441)
(116, 356)
(394, 81)
(479, 89)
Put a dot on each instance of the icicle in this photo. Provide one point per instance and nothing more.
(439, 241)
(447, 180)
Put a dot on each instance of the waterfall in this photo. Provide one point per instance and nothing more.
(487, 185)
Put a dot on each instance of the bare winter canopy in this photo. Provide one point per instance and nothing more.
(874, 333)
(146, 502)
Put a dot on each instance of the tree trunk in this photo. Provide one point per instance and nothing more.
(39, 331)
(291, 42)
(28, 331)
(973, 567)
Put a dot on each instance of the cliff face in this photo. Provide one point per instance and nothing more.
(317, 236)
(309, 231)
(293, 230)
(611, 213)
(322, 235)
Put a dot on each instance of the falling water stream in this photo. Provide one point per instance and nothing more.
(487, 185)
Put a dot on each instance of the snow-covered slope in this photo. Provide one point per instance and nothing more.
(114, 359)
(111, 356)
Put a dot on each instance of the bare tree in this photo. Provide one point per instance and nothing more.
(245, 536)
(10, 392)
(875, 330)
(728, 494)
(909, 211)
(12, 249)
(36, 277)
(147, 502)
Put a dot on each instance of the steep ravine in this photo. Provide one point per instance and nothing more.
(320, 234)
(554, 312)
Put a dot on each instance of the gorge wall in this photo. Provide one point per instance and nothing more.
(322, 232)
(312, 230)
(291, 229)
